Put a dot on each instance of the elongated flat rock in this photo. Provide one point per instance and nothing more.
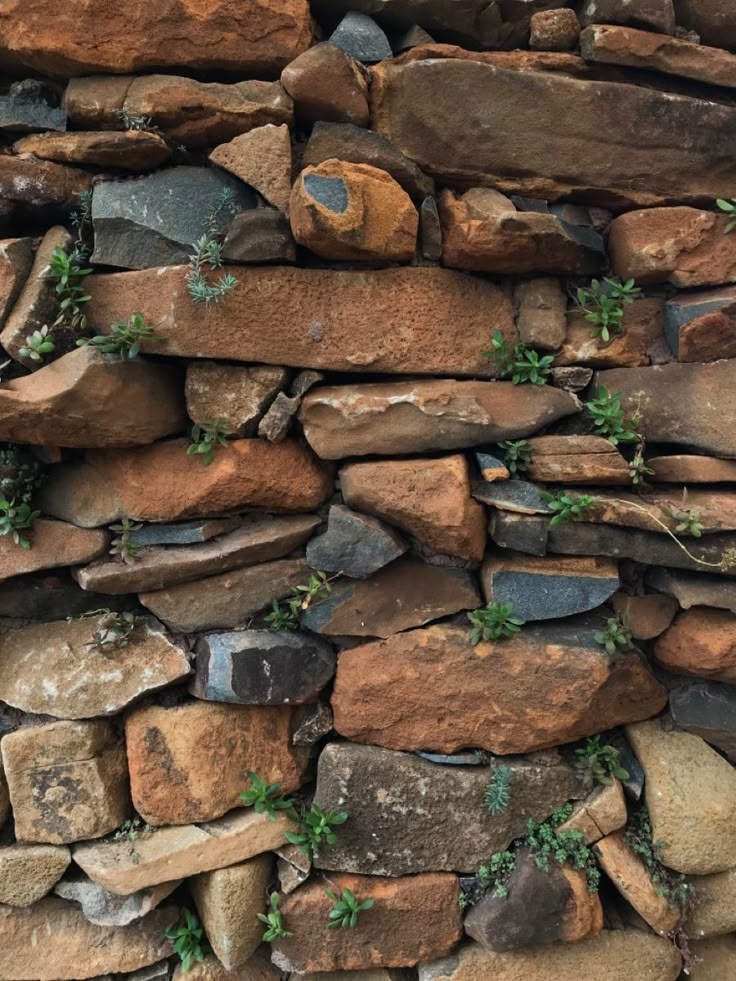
(577, 460)
(53, 544)
(130, 150)
(421, 320)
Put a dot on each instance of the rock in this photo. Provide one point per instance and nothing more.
(571, 379)
(261, 158)
(407, 593)
(390, 830)
(689, 469)
(19, 114)
(327, 85)
(415, 105)
(633, 880)
(88, 399)
(512, 495)
(713, 911)
(541, 907)
(576, 460)
(40, 184)
(4, 797)
(712, 19)
(104, 908)
(276, 423)
(186, 111)
(329, 141)
(414, 919)
(708, 710)
(228, 901)
(478, 238)
(700, 642)
(491, 468)
(361, 37)
(699, 326)
(621, 954)
(210, 969)
(554, 30)
(714, 959)
(29, 872)
(647, 616)
(155, 220)
(259, 236)
(53, 544)
(353, 212)
(690, 590)
(218, 38)
(159, 567)
(378, 974)
(135, 150)
(239, 394)
(161, 483)
(74, 948)
(16, 259)
(690, 793)
(354, 544)
(316, 723)
(641, 341)
(546, 588)
(67, 781)
(186, 532)
(602, 812)
(57, 669)
(540, 313)
(654, 15)
(430, 230)
(420, 416)
(430, 499)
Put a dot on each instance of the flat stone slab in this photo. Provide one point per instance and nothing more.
(23, 115)
(135, 150)
(354, 544)
(707, 709)
(694, 590)
(684, 468)
(53, 544)
(104, 908)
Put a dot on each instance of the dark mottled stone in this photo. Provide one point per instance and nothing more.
(24, 115)
(259, 235)
(328, 191)
(573, 379)
(511, 495)
(491, 467)
(430, 230)
(708, 710)
(684, 307)
(523, 533)
(355, 544)
(411, 38)
(184, 532)
(50, 597)
(542, 594)
(317, 722)
(362, 38)
(693, 589)
(304, 381)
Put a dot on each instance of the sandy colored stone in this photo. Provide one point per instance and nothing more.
(647, 616)
(179, 852)
(228, 901)
(701, 642)
(258, 968)
(353, 212)
(399, 321)
(29, 872)
(431, 689)
(326, 83)
(376, 974)
(541, 308)
(53, 544)
(67, 780)
(4, 797)
(39, 183)
(438, 414)
(429, 499)
(104, 908)
(602, 812)
(190, 762)
(56, 669)
(16, 259)
(415, 918)
(713, 959)
(239, 394)
(554, 30)
(134, 150)
(576, 460)
(713, 908)
(685, 469)
(261, 158)
(690, 791)
(631, 877)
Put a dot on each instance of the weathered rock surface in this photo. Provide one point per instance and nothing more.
(554, 30)
(415, 918)
(67, 781)
(700, 326)
(576, 460)
(655, 15)
(53, 544)
(713, 908)
(421, 416)
(640, 341)
(134, 150)
(431, 689)
(239, 394)
(104, 908)
(258, 968)
(29, 872)
(647, 616)
(602, 812)
(690, 793)
(354, 544)
(16, 259)
(690, 590)
(713, 20)
(391, 831)
(686, 469)
(707, 709)
(326, 83)
(700, 642)
(541, 312)
(361, 37)
(435, 320)
(39, 183)
(260, 235)
(5, 810)
(262, 159)
(715, 959)
(57, 669)
(21, 114)
(631, 877)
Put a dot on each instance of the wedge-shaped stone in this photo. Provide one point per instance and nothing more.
(690, 590)
(316, 318)
(104, 908)
(700, 642)
(684, 468)
(262, 159)
(354, 544)
(29, 872)
(90, 399)
(391, 831)
(421, 416)
(53, 544)
(602, 812)
(41, 184)
(713, 910)
(707, 709)
(16, 259)
(654, 15)
(179, 852)
(57, 669)
(577, 460)
(432, 689)
(130, 150)
(239, 394)
(633, 880)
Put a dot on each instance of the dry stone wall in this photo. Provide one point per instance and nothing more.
(368, 490)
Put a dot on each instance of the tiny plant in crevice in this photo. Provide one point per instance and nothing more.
(522, 364)
(346, 908)
(15, 518)
(38, 345)
(124, 545)
(114, 631)
(287, 617)
(189, 939)
(68, 271)
(316, 827)
(616, 636)
(638, 469)
(602, 304)
(673, 886)
(567, 507)
(130, 831)
(729, 207)
(81, 220)
(686, 522)
(517, 455)
(266, 798)
(548, 843)
(495, 875)
(207, 253)
(20, 473)
(598, 763)
(274, 921)
(494, 621)
(206, 437)
(608, 418)
(136, 122)
(498, 791)
(123, 339)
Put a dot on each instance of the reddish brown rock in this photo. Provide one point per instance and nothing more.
(715, 509)
(239, 394)
(708, 338)
(414, 918)
(53, 544)
(258, 968)
(541, 312)
(685, 469)
(430, 499)
(431, 689)
(700, 642)
(218, 36)
(38, 183)
(16, 259)
(554, 30)
(641, 341)
(190, 763)
(654, 15)
(713, 20)
(353, 212)
(326, 83)
(576, 460)
(647, 616)
(261, 158)
(132, 150)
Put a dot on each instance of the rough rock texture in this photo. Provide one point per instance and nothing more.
(602, 812)
(713, 909)
(708, 710)
(690, 590)
(700, 642)
(53, 544)
(262, 159)
(685, 469)
(701, 321)
(576, 460)
(134, 150)
(239, 394)
(258, 968)
(713, 20)
(104, 908)
(354, 544)
(655, 15)
(540, 312)
(554, 30)
(16, 259)
(715, 959)
(361, 37)
(640, 342)
(326, 83)
(647, 616)
(259, 236)
(29, 872)
(431, 689)
(40, 184)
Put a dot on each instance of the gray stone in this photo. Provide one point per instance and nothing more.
(511, 495)
(290, 877)
(276, 423)
(684, 307)
(259, 235)
(491, 467)
(316, 723)
(22, 115)
(707, 709)
(362, 38)
(694, 590)
(355, 544)
(653, 15)
(51, 597)
(304, 381)
(105, 908)
(393, 828)
(521, 532)
(262, 667)
(430, 229)
(328, 191)
(155, 220)
(573, 379)
(412, 38)
(184, 532)
(452, 759)
(541, 312)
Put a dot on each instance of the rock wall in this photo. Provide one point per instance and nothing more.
(367, 507)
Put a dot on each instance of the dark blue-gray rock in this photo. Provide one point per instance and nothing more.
(184, 532)
(707, 709)
(262, 667)
(694, 589)
(155, 220)
(550, 587)
(629, 761)
(259, 235)
(452, 759)
(362, 38)
(430, 230)
(404, 40)
(355, 544)
(681, 309)
(521, 532)
(511, 495)
(316, 722)
(330, 192)
(23, 114)
(491, 467)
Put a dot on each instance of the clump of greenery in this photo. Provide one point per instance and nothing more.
(82, 215)
(132, 829)
(123, 339)
(315, 828)
(730, 209)
(346, 908)
(687, 522)
(517, 455)
(287, 617)
(273, 920)
(114, 630)
(598, 763)
(20, 473)
(494, 621)
(638, 470)
(568, 507)
(608, 418)
(602, 304)
(496, 874)
(673, 886)
(38, 345)
(548, 843)
(207, 253)
(135, 121)
(616, 635)
(206, 437)
(124, 544)
(189, 940)
(16, 517)
(69, 272)
(498, 791)
(267, 798)
(522, 364)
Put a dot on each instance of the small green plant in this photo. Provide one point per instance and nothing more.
(494, 621)
(69, 272)
(132, 829)
(616, 635)
(123, 339)
(16, 518)
(496, 874)
(206, 438)
(346, 908)
(189, 940)
(273, 920)
(638, 470)
(729, 207)
(267, 798)
(137, 122)
(83, 214)
(548, 843)
(673, 886)
(287, 617)
(687, 522)
(20, 473)
(498, 792)
(223, 210)
(315, 828)
(517, 455)
(608, 418)
(38, 345)
(114, 630)
(522, 364)
(602, 304)
(598, 763)
(568, 507)
(208, 254)
(124, 544)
